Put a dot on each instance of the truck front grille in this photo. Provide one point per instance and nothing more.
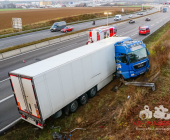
(138, 66)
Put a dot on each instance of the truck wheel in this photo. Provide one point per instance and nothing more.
(73, 106)
(83, 99)
(66, 110)
(92, 92)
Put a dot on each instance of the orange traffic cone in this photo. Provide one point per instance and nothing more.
(23, 61)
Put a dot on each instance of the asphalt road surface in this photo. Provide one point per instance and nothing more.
(34, 36)
(8, 109)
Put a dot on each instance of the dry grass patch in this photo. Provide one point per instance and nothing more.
(33, 19)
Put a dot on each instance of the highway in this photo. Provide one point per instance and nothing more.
(8, 109)
(34, 36)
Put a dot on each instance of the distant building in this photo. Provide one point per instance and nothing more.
(45, 3)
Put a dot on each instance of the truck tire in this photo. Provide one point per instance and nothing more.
(83, 99)
(66, 110)
(73, 106)
(92, 92)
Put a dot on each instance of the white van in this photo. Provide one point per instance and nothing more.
(117, 17)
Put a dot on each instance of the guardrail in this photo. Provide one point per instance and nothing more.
(39, 45)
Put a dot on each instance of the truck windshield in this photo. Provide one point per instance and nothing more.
(137, 55)
(116, 16)
(142, 29)
(54, 26)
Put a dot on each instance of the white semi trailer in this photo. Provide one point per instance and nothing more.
(59, 83)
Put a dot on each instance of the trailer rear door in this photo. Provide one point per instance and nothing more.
(24, 94)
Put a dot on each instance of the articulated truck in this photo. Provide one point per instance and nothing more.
(57, 85)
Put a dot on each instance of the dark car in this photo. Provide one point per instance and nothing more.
(131, 21)
(67, 29)
(147, 19)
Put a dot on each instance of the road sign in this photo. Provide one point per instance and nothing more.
(122, 10)
(17, 23)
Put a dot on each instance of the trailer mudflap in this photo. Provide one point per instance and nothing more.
(30, 120)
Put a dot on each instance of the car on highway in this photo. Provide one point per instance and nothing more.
(131, 21)
(118, 17)
(139, 13)
(67, 29)
(147, 19)
(144, 30)
(57, 26)
(130, 16)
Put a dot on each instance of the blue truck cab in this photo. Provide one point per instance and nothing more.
(131, 58)
(164, 9)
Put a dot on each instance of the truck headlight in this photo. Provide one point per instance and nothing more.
(132, 74)
(118, 66)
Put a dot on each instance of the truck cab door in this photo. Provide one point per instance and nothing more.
(122, 64)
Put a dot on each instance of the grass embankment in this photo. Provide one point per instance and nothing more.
(34, 19)
(55, 37)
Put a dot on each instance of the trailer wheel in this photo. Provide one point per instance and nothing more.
(66, 110)
(92, 92)
(73, 106)
(83, 99)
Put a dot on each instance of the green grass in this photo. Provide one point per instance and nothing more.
(156, 35)
(12, 9)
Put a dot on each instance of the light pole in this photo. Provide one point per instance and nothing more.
(107, 13)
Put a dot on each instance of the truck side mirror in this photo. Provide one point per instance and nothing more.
(147, 51)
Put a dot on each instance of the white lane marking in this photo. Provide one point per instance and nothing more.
(134, 34)
(4, 80)
(41, 48)
(66, 46)
(10, 124)
(152, 24)
(6, 98)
